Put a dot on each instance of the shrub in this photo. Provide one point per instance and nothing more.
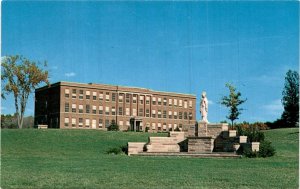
(247, 152)
(252, 131)
(114, 150)
(113, 127)
(147, 129)
(124, 149)
(255, 136)
(260, 126)
(177, 129)
(266, 150)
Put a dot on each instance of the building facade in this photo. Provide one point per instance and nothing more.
(96, 106)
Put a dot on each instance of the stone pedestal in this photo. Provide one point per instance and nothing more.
(211, 129)
(200, 144)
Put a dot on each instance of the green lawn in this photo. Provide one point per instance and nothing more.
(76, 159)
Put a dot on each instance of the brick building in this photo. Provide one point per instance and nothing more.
(96, 106)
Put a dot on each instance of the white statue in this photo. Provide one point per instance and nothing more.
(204, 107)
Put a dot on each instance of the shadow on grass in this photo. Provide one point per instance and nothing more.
(118, 150)
(293, 133)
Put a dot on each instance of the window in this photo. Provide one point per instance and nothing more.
(87, 108)
(175, 125)
(175, 115)
(153, 113)
(106, 110)
(190, 104)
(147, 100)
(180, 115)
(175, 102)
(180, 126)
(134, 112)
(190, 116)
(94, 95)
(127, 123)
(80, 108)
(100, 123)
(127, 111)
(94, 123)
(80, 122)
(107, 97)
(74, 93)
(100, 110)
(148, 125)
(101, 96)
(106, 123)
(141, 99)
(73, 122)
(127, 98)
(147, 113)
(164, 126)
(153, 100)
(67, 108)
(170, 102)
(180, 103)
(134, 98)
(113, 97)
(185, 104)
(120, 98)
(121, 123)
(159, 113)
(87, 122)
(164, 114)
(113, 110)
(165, 101)
(67, 93)
(153, 126)
(159, 101)
(159, 126)
(66, 122)
(94, 110)
(185, 115)
(120, 111)
(141, 112)
(170, 126)
(170, 114)
(87, 94)
(74, 108)
(80, 94)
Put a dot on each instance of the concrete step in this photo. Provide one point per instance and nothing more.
(162, 148)
(184, 154)
(165, 140)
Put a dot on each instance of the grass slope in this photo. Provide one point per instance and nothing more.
(77, 159)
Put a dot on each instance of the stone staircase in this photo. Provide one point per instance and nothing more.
(196, 140)
(165, 144)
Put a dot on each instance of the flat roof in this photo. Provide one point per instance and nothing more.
(109, 87)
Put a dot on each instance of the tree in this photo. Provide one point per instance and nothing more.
(113, 126)
(20, 77)
(232, 102)
(290, 99)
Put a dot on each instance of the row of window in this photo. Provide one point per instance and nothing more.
(112, 111)
(92, 123)
(155, 101)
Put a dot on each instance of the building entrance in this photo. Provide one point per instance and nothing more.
(135, 123)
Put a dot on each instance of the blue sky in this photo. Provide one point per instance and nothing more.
(184, 47)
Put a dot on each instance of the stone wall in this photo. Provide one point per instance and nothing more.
(135, 147)
(200, 144)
